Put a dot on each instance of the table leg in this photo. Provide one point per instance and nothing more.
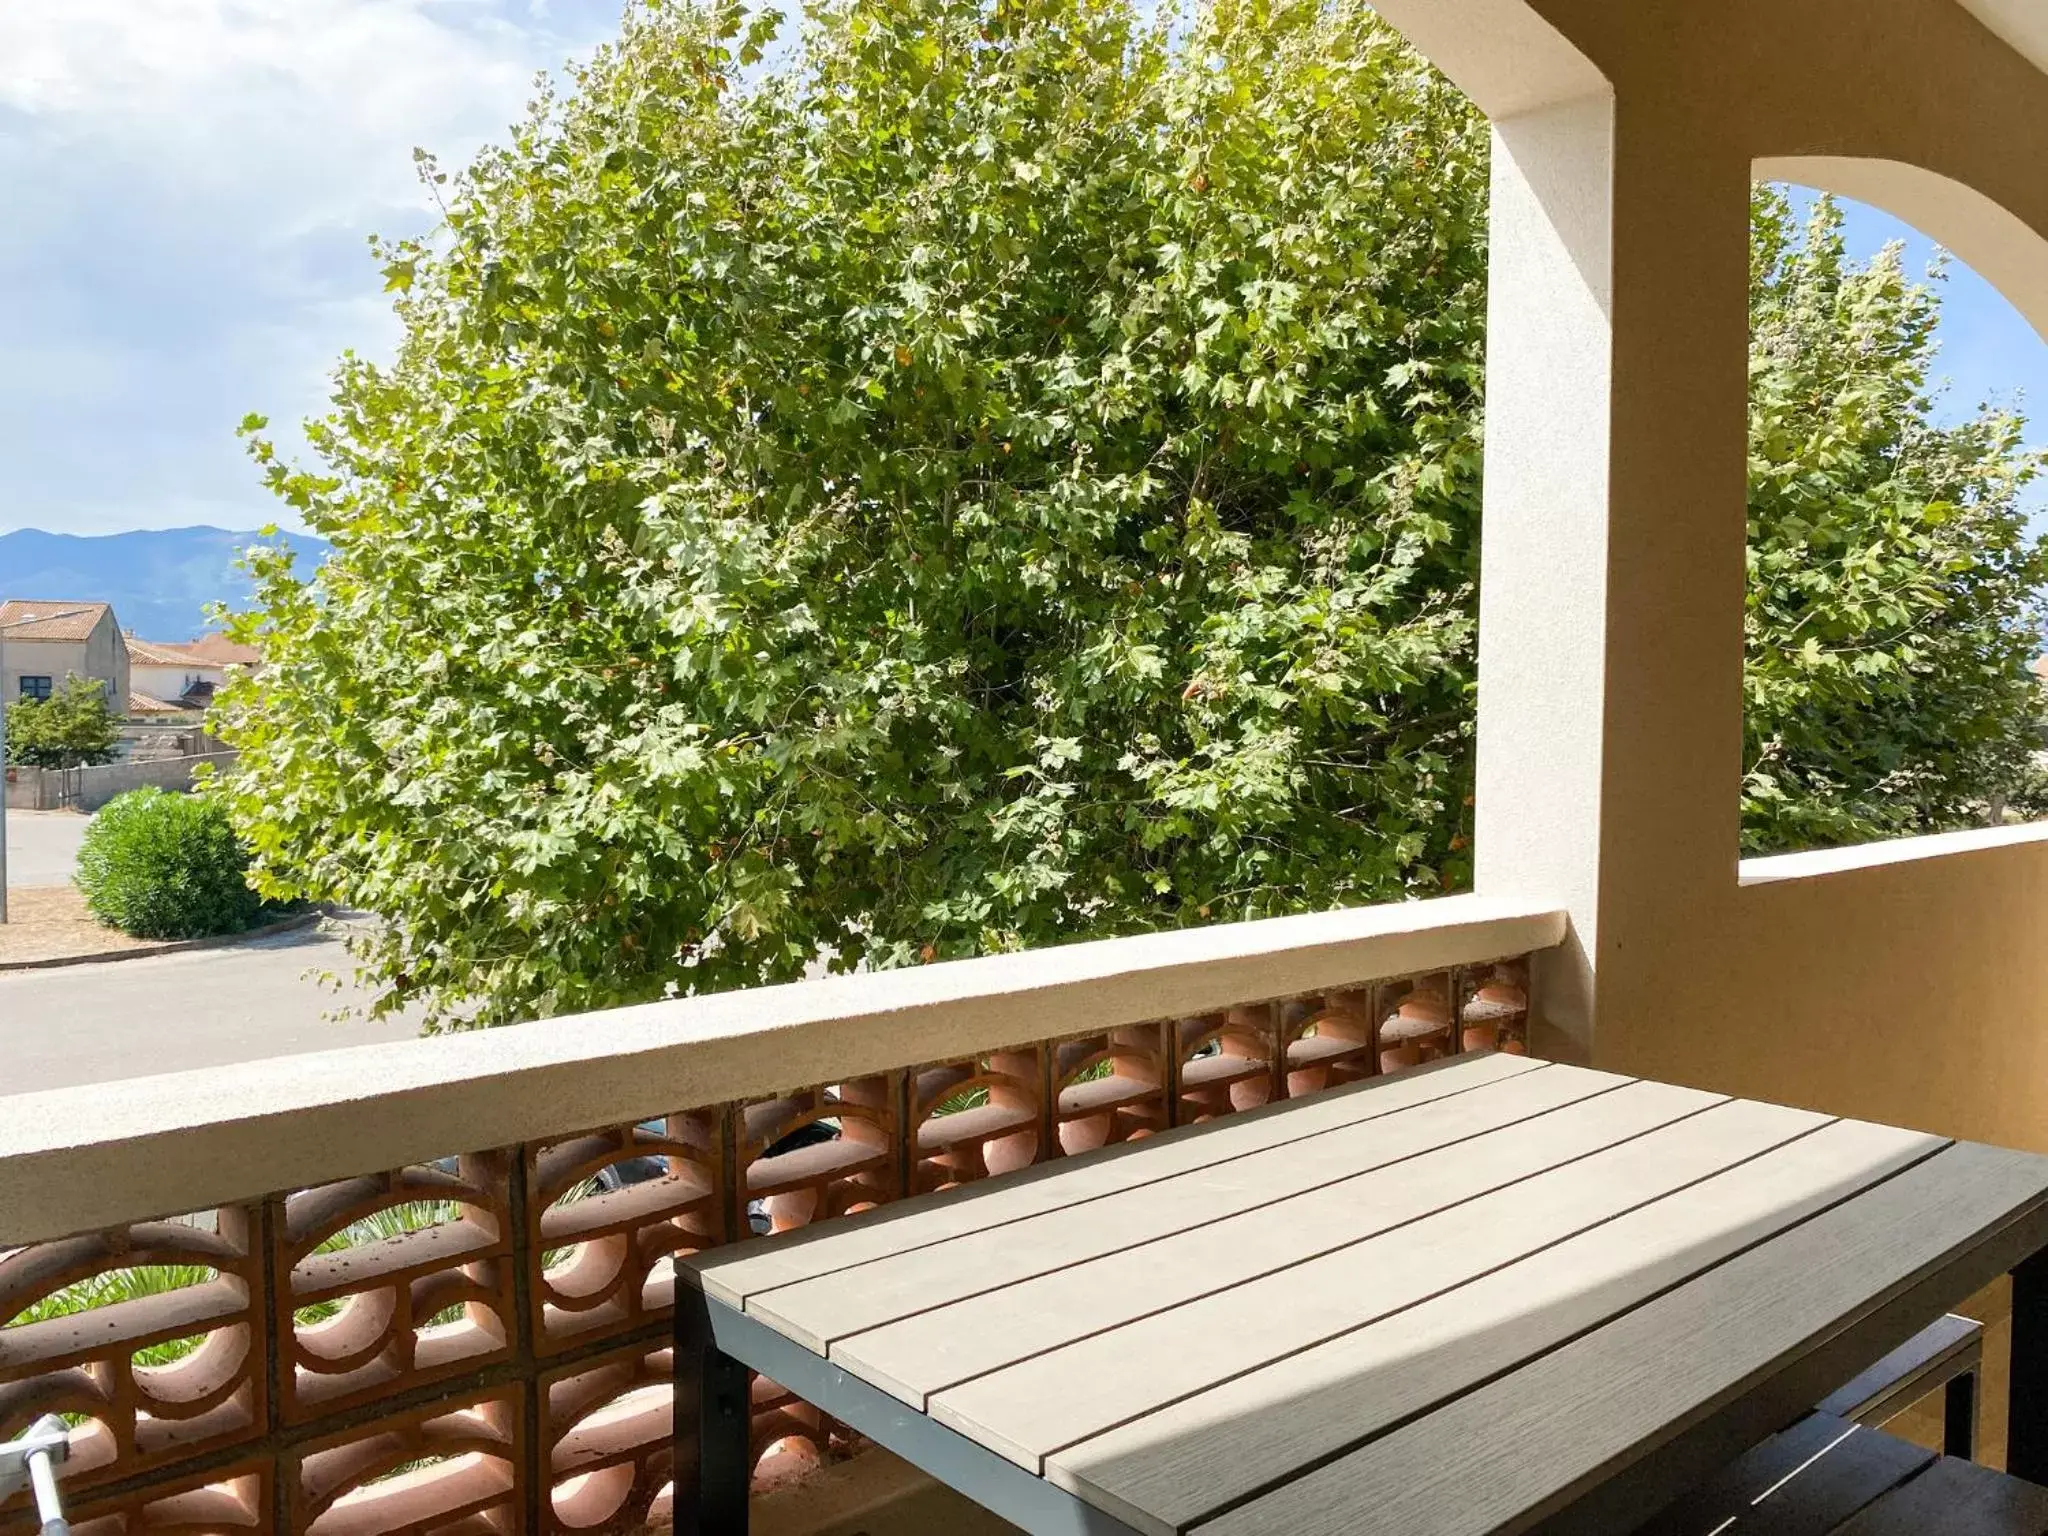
(2026, 1452)
(1959, 1417)
(712, 1427)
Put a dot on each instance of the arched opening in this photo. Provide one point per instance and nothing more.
(1501, 53)
(1896, 510)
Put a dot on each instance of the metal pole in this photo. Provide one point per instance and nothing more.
(32, 1459)
(713, 1426)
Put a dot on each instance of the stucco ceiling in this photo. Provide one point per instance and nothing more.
(2022, 23)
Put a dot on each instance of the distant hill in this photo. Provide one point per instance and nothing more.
(159, 580)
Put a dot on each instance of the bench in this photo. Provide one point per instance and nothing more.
(1834, 1473)
(1830, 1477)
(1948, 1354)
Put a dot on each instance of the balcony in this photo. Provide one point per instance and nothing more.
(428, 1286)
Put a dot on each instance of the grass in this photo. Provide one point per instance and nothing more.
(142, 1280)
(118, 1285)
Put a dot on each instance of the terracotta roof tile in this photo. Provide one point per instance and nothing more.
(148, 653)
(221, 651)
(23, 619)
(144, 704)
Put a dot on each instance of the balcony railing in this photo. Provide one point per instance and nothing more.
(342, 1327)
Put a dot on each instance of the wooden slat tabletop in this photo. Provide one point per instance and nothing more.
(947, 1346)
(1459, 1299)
(733, 1274)
(1236, 1194)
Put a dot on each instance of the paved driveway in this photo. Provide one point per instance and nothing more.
(170, 1013)
(42, 846)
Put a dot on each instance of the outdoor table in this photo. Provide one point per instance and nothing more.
(1490, 1295)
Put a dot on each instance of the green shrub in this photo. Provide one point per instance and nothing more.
(165, 866)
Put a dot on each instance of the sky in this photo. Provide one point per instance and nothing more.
(188, 185)
(1989, 354)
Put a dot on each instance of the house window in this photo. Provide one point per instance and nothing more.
(35, 687)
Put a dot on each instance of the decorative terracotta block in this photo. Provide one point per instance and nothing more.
(972, 1119)
(402, 1309)
(606, 1428)
(230, 1502)
(1110, 1087)
(850, 1165)
(1418, 1028)
(458, 1465)
(140, 1416)
(1331, 1040)
(605, 1254)
(1495, 1012)
(1226, 1062)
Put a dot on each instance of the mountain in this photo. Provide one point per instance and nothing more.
(159, 580)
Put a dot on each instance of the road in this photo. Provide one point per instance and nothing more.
(42, 846)
(202, 1008)
(130, 1018)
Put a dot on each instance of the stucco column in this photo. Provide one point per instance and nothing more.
(1543, 557)
(1612, 561)
(1671, 813)
(1899, 983)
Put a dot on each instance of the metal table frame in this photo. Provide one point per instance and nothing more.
(715, 1348)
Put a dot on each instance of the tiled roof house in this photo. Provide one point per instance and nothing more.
(43, 642)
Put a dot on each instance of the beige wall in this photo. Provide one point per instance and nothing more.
(170, 683)
(54, 659)
(103, 654)
(1904, 983)
(1908, 988)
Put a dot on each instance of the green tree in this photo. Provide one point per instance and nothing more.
(1894, 592)
(1011, 474)
(74, 727)
(1006, 474)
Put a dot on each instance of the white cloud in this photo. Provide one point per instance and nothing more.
(330, 93)
(188, 185)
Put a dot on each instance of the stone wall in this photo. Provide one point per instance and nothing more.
(87, 789)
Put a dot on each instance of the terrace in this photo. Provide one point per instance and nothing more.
(505, 1364)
